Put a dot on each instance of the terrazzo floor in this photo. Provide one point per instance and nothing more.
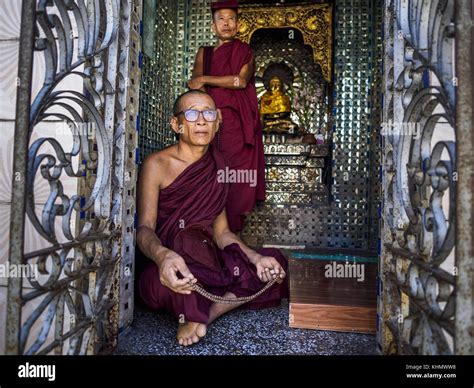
(240, 332)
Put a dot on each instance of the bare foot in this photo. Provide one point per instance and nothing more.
(218, 309)
(190, 333)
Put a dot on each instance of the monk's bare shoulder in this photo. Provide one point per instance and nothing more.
(157, 165)
(161, 166)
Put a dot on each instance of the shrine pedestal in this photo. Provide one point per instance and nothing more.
(294, 174)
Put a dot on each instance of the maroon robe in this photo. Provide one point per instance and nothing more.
(187, 208)
(240, 136)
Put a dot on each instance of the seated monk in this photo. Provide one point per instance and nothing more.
(183, 229)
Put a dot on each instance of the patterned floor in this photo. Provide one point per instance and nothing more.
(240, 332)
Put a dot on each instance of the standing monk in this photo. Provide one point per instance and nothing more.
(226, 72)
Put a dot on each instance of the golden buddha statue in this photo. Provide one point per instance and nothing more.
(274, 101)
(275, 108)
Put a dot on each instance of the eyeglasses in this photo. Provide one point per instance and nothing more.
(192, 115)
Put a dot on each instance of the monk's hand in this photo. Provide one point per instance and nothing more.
(171, 265)
(269, 268)
(195, 83)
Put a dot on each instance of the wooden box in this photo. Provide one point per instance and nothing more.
(333, 291)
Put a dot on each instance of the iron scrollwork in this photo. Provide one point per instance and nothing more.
(72, 306)
(419, 175)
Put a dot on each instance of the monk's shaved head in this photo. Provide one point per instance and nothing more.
(217, 12)
(177, 107)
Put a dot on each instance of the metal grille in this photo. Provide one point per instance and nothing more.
(180, 29)
(126, 150)
(375, 118)
(86, 223)
(417, 293)
(194, 31)
(159, 75)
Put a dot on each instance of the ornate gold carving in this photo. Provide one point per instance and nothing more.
(314, 21)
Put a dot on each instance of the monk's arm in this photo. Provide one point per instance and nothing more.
(147, 207)
(198, 69)
(150, 244)
(237, 81)
(223, 237)
(267, 267)
(168, 261)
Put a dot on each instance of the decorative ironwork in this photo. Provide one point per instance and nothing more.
(417, 287)
(313, 20)
(73, 306)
